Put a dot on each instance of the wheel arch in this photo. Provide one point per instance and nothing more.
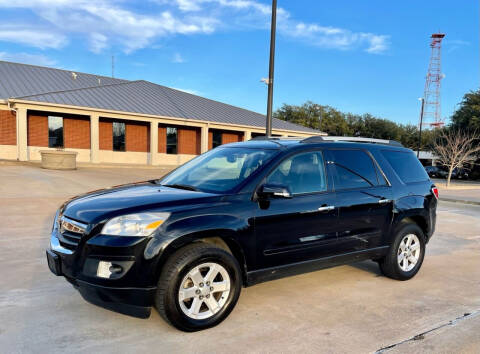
(415, 209)
(220, 238)
(419, 220)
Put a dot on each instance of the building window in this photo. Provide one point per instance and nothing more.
(118, 136)
(55, 132)
(172, 140)
(216, 139)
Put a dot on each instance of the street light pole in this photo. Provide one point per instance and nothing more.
(320, 116)
(268, 131)
(420, 129)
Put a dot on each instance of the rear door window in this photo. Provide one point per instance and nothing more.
(406, 166)
(354, 169)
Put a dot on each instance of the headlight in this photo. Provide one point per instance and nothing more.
(142, 224)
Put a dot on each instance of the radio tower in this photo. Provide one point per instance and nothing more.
(432, 114)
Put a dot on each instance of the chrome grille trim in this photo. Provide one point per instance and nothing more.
(70, 233)
(69, 225)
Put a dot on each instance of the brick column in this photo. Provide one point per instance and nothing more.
(204, 139)
(22, 134)
(247, 135)
(94, 139)
(154, 143)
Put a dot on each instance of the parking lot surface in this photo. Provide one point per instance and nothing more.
(344, 309)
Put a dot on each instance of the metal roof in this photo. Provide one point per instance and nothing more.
(41, 84)
(149, 98)
(18, 80)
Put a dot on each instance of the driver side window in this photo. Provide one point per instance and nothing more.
(302, 173)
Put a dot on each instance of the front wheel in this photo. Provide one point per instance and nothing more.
(405, 256)
(198, 288)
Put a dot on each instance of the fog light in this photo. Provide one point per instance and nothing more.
(103, 270)
(106, 269)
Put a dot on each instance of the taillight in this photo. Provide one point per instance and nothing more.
(435, 192)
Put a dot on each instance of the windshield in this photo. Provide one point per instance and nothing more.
(219, 170)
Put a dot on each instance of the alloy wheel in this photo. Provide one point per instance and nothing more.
(408, 252)
(204, 290)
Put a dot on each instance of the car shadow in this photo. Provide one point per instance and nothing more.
(368, 266)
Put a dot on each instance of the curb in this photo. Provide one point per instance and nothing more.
(462, 201)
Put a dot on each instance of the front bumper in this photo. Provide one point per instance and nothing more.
(135, 302)
(122, 293)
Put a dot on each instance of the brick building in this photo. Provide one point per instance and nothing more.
(116, 121)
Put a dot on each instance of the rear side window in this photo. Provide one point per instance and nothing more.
(354, 169)
(406, 165)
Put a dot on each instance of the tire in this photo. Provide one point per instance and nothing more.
(186, 273)
(395, 265)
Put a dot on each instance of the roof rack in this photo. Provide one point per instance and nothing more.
(263, 137)
(349, 139)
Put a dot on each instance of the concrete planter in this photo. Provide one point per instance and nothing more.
(59, 159)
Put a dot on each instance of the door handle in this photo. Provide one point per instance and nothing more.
(384, 201)
(326, 208)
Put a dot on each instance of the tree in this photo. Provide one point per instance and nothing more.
(455, 148)
(334, 122)
(314, 116)
(467, 117)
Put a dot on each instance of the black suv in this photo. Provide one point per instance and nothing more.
(241, 214)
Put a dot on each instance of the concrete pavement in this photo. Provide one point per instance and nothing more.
(466, 196)
(458, 335)
(348, 309)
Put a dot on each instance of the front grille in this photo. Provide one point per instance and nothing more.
(70, 232)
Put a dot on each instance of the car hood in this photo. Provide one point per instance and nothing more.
(106, 203)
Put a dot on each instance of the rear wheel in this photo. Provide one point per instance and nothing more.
(198, 288)
(405, 256)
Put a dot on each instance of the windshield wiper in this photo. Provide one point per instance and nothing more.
(182, 186)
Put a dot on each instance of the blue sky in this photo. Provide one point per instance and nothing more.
(357, 56)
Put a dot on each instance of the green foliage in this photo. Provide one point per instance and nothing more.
(334, 122)
(467, 117)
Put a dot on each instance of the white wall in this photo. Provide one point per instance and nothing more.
(174, 160)
(34, 153)
(8, 152)
(142, 158)
(129, 157)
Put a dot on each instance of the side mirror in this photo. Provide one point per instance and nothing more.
(275, 191)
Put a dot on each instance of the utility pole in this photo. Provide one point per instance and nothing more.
(268, 131)
(420, 128)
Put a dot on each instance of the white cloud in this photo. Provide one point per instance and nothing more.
(377, 43)
(177, 58)
(188, 5)
(257, 14)
(108, 23)
(336, 38)
(193, 92)
(28, 58)
(102, 22)
(454, 44)
(98, 42)
(33, 37)
(197, 5)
